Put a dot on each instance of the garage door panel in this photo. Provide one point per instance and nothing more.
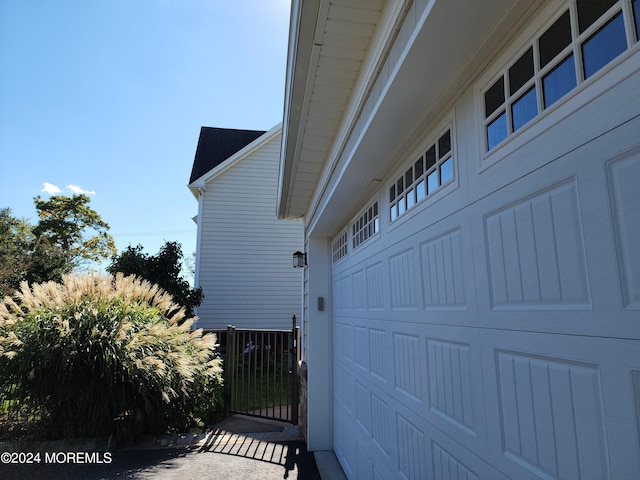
(400, 438)
(623, 173)
(370, 348)
(344, 441)
(443, 272)
(534, 250)
(455, 402)
(554, 400)
(372, 425)
(434, 371)
(403, 281)
(538, 250)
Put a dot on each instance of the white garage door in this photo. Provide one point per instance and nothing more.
(501, 340)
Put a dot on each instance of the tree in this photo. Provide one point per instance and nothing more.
(23, 256)
(68, 235)
(70, 224)
(162, 269)
(15, 251)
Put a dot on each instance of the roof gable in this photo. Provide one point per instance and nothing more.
(216, 145)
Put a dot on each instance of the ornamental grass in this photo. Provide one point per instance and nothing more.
(104, 356)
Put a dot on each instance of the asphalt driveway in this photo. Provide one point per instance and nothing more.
(231, 451)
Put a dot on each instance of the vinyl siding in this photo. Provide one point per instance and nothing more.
(245, 253)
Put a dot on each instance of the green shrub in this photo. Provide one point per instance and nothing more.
(95, 356)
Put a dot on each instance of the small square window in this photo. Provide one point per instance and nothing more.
(411, 198)
(408, 177)
(444, 144)
(555, 39)
(591, 10)
(604, 45)
(432, 182)
(521, 71)
(524, 109)
(497, 131)
(430, 157)
(446, 171)
(494, 97)
(559, 81)
(421, 191)
(419, 167)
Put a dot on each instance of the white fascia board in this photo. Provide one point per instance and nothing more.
(299, 70)
(201, 182)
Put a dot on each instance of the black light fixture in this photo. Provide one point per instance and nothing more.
(299, 259)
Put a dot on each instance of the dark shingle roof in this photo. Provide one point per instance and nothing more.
(215, 145)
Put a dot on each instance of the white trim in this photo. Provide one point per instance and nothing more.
(196, 277)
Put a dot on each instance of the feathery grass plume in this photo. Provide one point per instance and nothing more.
(98, 355)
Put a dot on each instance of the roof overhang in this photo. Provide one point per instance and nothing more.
(451, 41)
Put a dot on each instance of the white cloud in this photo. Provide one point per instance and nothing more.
(79, 190)
(50, 188)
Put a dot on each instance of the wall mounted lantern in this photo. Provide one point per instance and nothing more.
(299, 259)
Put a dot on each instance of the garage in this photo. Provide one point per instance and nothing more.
(476, 236)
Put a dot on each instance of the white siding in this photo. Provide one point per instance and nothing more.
(245, 261)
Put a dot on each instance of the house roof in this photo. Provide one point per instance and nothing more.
(216, 145)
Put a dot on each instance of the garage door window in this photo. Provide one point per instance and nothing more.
(432, 170)
(366, 226)
(559, 60)
(339, 247)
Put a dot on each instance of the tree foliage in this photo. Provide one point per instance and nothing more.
(14, 250)
(26, 257)
(163, 269)
(69, 235)
(69, 223)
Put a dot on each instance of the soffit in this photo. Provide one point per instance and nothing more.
(342, 38)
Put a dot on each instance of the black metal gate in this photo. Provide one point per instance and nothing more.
(261, 372)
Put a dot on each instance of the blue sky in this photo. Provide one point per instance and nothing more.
(108, 97)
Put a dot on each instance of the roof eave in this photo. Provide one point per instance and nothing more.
(304, 18)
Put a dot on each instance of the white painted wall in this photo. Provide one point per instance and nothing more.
(318, 331)
(245, 252)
